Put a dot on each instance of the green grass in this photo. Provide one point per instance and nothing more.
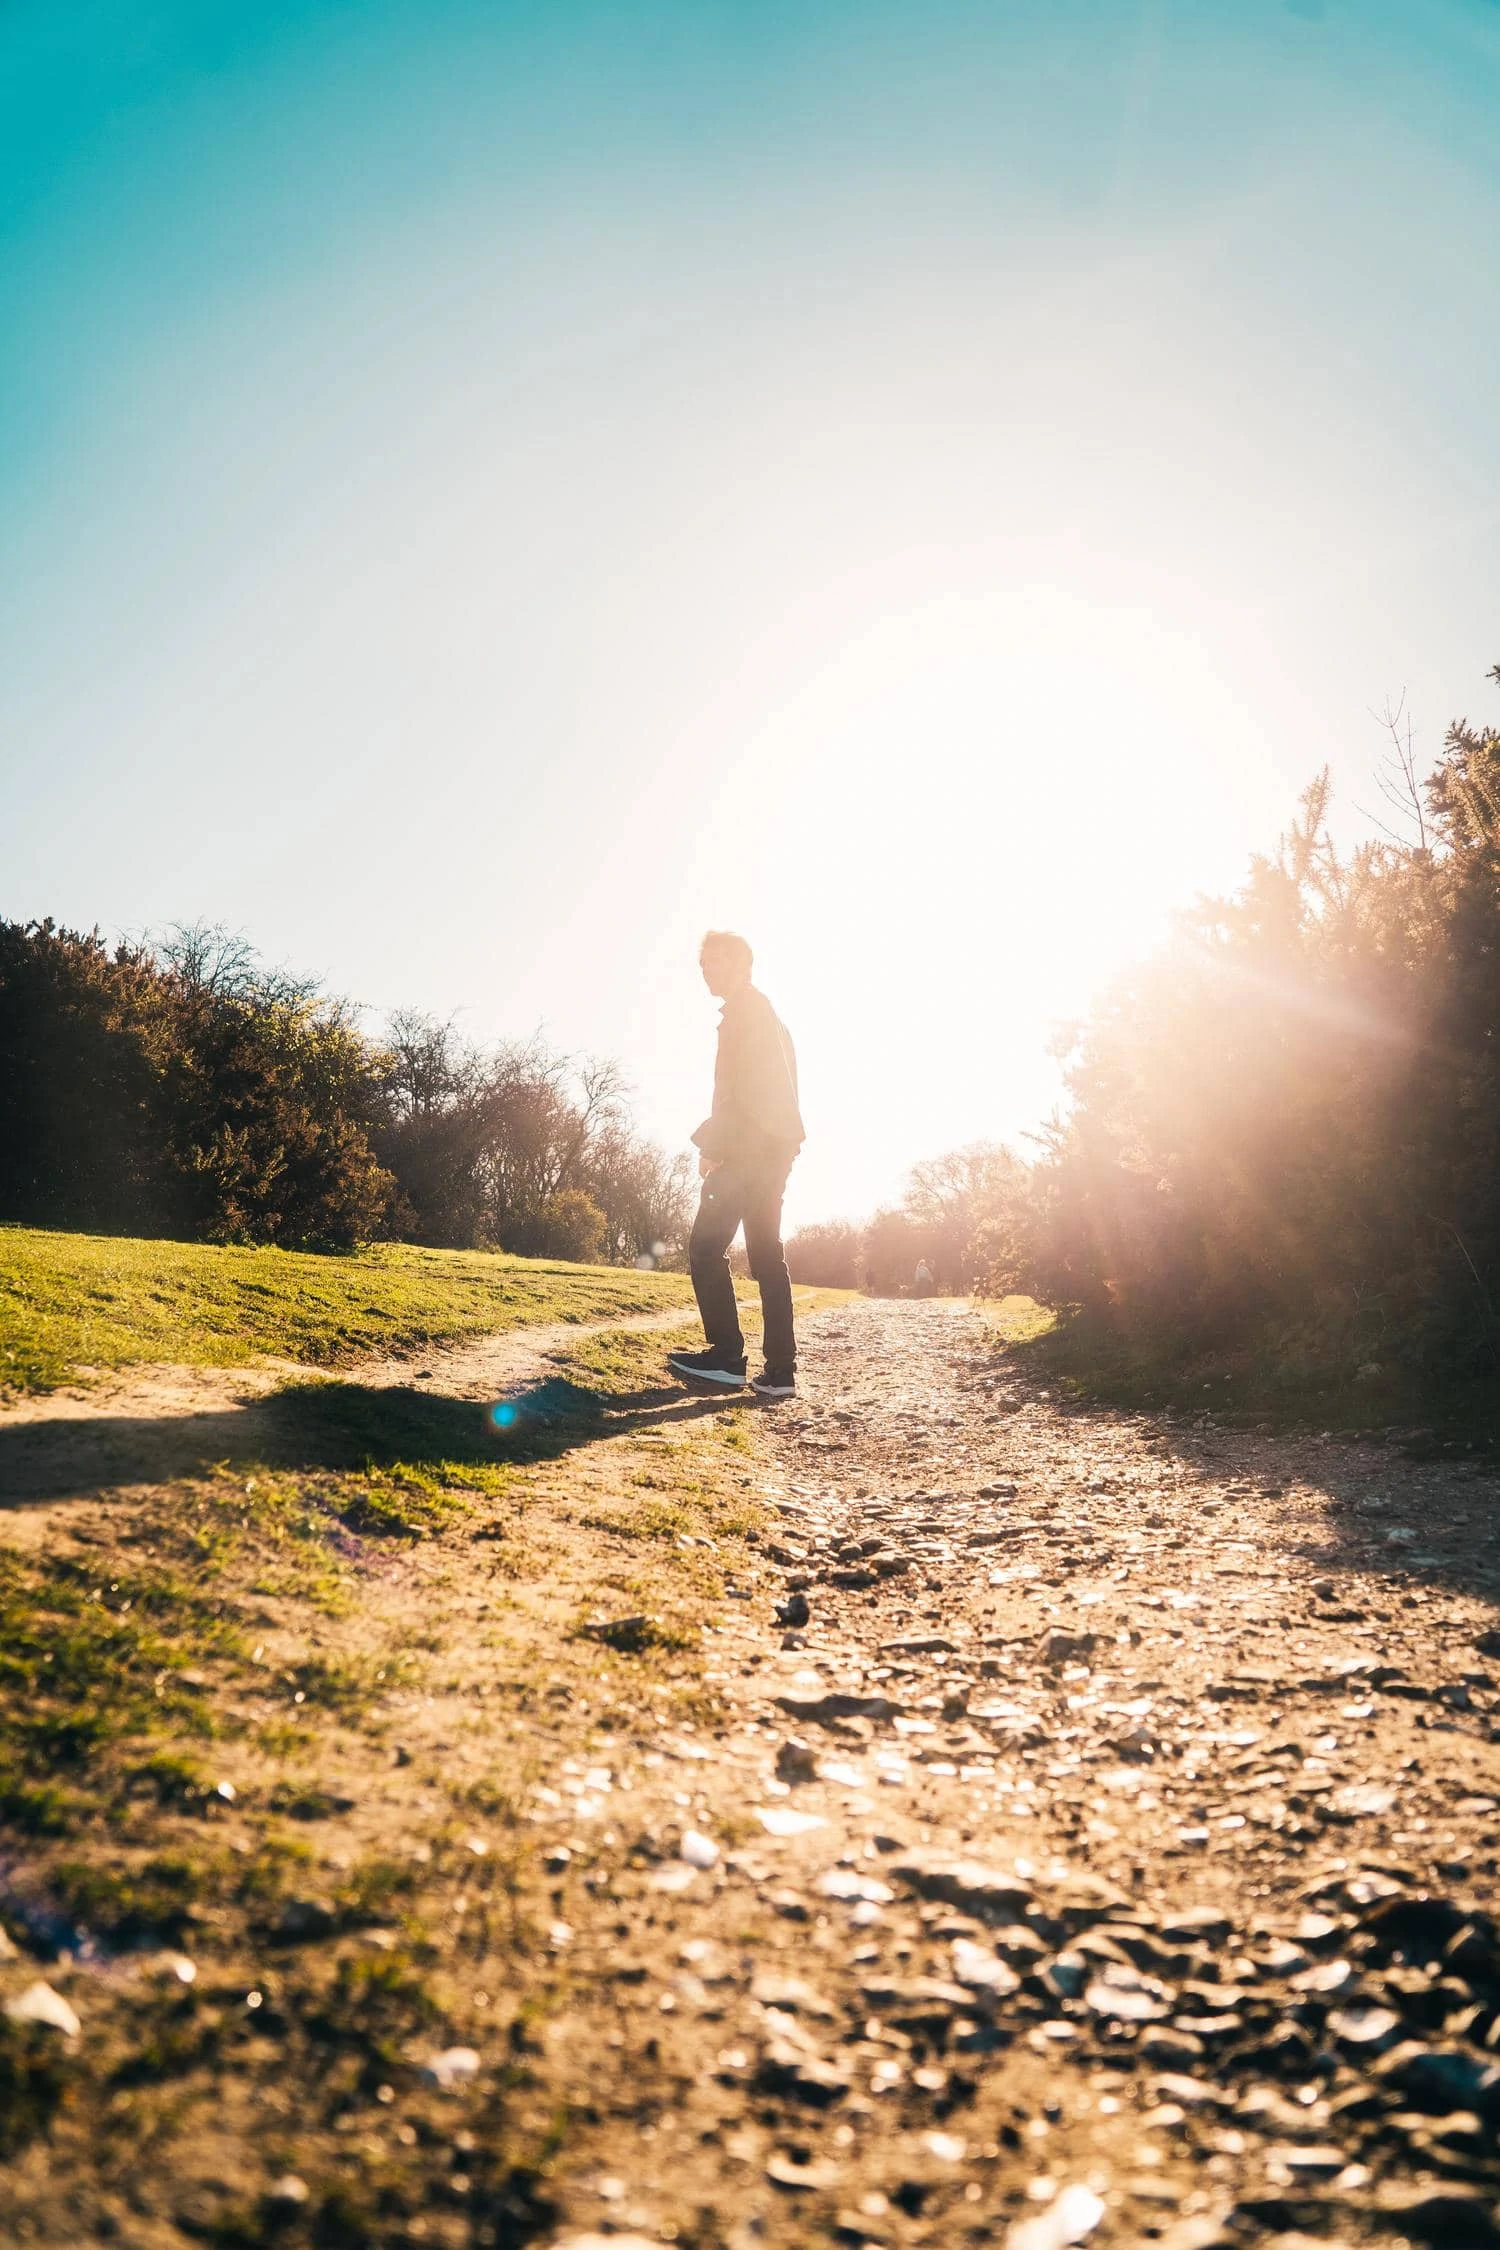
(195, 1680)
(71, 1301)
(114, 1662)
(91, 1663)
(1017, 1320)
(1274, 1384)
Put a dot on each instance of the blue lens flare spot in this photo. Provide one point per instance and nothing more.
(505, 1416)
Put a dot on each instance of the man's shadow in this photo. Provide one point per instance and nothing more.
(326, 1425)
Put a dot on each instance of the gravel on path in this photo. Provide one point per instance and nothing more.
(1110, 1855)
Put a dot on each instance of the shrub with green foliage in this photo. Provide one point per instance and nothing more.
(186, 1090)
(183, 1090)
(1284, 1130)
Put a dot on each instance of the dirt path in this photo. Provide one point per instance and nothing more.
(1111, 1856)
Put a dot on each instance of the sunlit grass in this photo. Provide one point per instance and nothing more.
(1017, 1320)
(70, 1301)
(223, 1702)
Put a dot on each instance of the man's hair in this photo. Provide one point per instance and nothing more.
(728, 945)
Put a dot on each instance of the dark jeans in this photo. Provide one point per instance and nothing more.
(732, 1195)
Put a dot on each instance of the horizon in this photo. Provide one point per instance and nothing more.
(489, 494)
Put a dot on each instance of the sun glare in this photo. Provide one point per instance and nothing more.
(969, 818)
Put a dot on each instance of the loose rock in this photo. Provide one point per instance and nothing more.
(39, 2004)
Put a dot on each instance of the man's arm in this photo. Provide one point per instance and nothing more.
(708, 1140)
(714, 1137)
(755, 1087)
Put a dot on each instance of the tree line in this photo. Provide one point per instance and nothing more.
(182, 1087)
(1281, 1133)
(944, 1221)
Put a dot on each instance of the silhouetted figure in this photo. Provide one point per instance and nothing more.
(924, 1283)
(747, 1146)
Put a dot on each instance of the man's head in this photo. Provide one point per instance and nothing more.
(726, 962)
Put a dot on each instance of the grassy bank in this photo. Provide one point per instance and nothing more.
(1267, 1388)
(276, 1736)
(70, 1301)
(1016, 1320)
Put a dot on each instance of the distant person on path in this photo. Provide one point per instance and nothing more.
(746, 1147)
(924, 1284)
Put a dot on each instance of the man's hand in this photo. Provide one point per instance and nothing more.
(706, 1164)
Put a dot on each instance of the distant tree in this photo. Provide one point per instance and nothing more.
(431, 1130)
(958, 1215)
(485, 1141)
(956, 1207)
(271, 1099)
(646, 1196)
(84, 1039)
(893, 1245)
(184, 1087)
(827, 1256)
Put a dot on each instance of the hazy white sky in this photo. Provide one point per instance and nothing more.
(486, 492)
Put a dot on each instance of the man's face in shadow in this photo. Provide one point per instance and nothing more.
(722, 973)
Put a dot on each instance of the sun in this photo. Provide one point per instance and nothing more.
(973, 813)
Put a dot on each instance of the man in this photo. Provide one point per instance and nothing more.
(747, 1145)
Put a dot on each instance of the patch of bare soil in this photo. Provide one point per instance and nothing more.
(1098, 1847)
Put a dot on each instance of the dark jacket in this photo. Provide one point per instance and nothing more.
(755, 1118)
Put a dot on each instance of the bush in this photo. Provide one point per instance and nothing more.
(181, 1091)
(571, 1225)
(1284, 1130)
(184, 1089)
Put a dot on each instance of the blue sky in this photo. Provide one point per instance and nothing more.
(486, 491)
